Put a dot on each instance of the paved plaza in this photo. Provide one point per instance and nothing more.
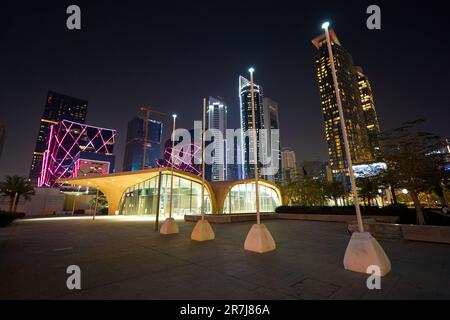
(124, 258)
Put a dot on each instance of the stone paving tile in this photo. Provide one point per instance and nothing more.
(129, 260)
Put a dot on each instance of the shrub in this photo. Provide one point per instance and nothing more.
(78, 212)
(7, 217)
(436, 219)
(395, 208)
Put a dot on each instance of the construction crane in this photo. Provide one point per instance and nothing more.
(147, 111)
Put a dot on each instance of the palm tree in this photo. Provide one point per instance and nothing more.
(14, 187)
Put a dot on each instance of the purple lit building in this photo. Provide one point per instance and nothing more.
(187, 156)
(67, 141)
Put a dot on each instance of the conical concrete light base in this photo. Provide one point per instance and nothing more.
(203, 231)
(259, 239)
(169, 226)
(363, 251)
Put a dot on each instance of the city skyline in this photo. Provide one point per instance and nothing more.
(297, 94)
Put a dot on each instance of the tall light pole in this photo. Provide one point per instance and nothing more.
(203, 230)
(174, 116)
(348, 155)
(170, 226)
(259, 238)
(255, 146)
(144, 150)
(363, 251)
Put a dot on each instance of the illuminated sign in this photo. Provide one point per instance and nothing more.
(369, 170)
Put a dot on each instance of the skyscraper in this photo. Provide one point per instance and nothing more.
(57, 107)
(134, 147)
(247, 124)
(2, 137)
(370, 113)
(216, 118)
(351, 104)
(288, 165)
(272, 123)
(69, 145)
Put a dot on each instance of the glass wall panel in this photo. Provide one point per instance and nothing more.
(242, 199)
(142, 198)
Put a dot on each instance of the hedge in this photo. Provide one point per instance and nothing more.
(7, 217)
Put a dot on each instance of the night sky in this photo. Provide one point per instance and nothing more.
(169, 54)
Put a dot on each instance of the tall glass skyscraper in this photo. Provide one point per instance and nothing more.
(245, 99)
(289, 165)
(57, 107)
(271, 123)
(134, 148)
(370, 113)
(216, 118)
(351, 104)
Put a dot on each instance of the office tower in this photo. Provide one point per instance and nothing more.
(134, 147)
(216, 118)
(233, 158)
(57, 107)
(370, 113)
(69, 143)
(2, 138)
(288, 165)
(272, 123)
(351, 105)
(314, 170)
(247, 124)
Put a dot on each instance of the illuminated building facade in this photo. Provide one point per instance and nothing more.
(134, 147)
(66, 140)
(247, 124)
(186, 157)
(216, 118)
(351, 104)
(288, 165)
(57, 107)
(147, 192)
(91, 164)
(370, 113)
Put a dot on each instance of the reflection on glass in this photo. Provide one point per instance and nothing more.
(242, 199)
(142, 198)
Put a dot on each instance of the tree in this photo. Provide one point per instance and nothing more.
(368, 188)
(14, 187)
(412, 161)
(334, 190)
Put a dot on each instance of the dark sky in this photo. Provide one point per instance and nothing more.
(168, 54)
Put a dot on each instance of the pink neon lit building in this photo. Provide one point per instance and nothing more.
(186, 157)
(71, 146)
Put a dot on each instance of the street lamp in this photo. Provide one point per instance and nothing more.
(363, 250)
(170, 226)
(258, 238)
(203, 230)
